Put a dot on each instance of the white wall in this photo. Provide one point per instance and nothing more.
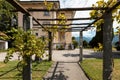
(3, 45)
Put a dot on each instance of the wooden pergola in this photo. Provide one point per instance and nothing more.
(107, 29)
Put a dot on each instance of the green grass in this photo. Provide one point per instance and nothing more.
(93, 68)
(9, 72)
(116, 72)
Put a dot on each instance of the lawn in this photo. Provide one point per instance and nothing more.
(93, 68)
(9, 72)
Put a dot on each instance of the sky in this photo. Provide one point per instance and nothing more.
(79, 4)
(79, 14)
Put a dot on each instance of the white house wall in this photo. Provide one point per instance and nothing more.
(4, 45)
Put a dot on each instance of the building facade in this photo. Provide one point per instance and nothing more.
(61, 39)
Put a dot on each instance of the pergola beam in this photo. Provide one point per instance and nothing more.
(63, 24)
(67, 24)
(71, 28)
(18, 7)
(66, 29)
(70, 9)
(66, 9)
(81, 27)
(69, 19)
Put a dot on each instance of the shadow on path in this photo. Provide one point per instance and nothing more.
(65, 71)
(55, 73)
(99, 55)
(71, 55)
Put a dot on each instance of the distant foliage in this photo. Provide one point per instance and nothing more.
(98, 38)
(117, 45)
(85, 44)
(5, 15)
(74, 42)
(99, 48)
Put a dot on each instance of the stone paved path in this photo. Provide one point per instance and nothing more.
(65, 67)
(65, 71)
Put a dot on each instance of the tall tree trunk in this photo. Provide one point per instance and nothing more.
(107, 47)
(27, 72)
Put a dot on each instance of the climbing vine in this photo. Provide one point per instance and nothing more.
(26, 44)
(99, 13)
(48, 5)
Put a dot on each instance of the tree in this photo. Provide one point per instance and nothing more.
(85, 44)
(74, 42)
(6, 18)
(26, 44)
(107, 36)
(5, 15)
(98, 38)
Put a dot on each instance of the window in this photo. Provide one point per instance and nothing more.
(36, 34)
(46, 13)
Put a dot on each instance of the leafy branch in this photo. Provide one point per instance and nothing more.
(26, 44)
(99, 13)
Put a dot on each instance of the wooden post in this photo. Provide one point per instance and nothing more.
(81, 46)
(107, 47)
(27, 72)
(50, 45)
